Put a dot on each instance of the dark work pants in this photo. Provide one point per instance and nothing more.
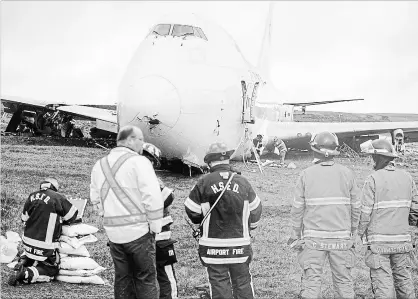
(135, 269)
(167, 281)
(221, 277)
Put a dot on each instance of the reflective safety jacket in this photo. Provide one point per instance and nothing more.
(43, 213)
(326, 205)
(389, 196)
(226, 231)
(125, 187)
(167, 220)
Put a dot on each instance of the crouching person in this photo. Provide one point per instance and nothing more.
(225, 242)
(165, 253)
(44, 213)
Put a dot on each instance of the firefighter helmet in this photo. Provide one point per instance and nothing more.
(153, 153)
(325, 143)
(217, 151)
(381, 147)
(50, 183)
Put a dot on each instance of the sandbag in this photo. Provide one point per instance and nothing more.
(78, 242)
(8, 250)
(68, 249)
(79, 279)
(13, 237)
(83, 273)
(78, 263)
(72, 241)
(78, 229)
(87, 239)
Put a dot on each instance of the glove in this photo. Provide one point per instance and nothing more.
(296, 244)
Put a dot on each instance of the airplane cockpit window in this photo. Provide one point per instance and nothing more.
(161, 29)
(186, 30)
(202, 35)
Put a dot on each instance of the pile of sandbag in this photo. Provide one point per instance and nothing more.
(76, 265)
(8, 246)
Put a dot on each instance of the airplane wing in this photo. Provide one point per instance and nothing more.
(12, 104)
(105, 119)
(298, 134)
(320, 103)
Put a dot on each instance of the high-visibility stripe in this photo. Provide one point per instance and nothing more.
(251, 282)
(51, 228)
(297, 204)
(163, 236)
(245, 217)
(366, 210)
(35, 257)
(70, 213)
(254, 205)
(39, 244)
(392, 204)
(326, 234)
(414, 205)
(254, 224)
(194, 207)
(35, 274)
(166, 192)
(166, 220)
(205, 227)
(205, 208)
(124, 220)
(104, 191)
(389, 238)
(356, 204)
(172, 279)
(155, 214)
(205, 241)
(327, 201)
(222, 261)
(120, 194)
(25, 216)
(210, 285)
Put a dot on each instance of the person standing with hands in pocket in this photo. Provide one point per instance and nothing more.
(125, 190)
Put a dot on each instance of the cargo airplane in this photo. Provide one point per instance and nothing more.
(188, 85)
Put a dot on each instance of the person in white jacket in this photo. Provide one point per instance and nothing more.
(126, 192)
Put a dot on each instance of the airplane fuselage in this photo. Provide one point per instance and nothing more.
(185, 93)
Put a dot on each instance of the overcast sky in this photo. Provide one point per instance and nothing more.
(77, 51)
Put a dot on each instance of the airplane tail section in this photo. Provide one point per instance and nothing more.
(265, 51)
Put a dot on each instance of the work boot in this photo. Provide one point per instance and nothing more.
(203, 291)
(17, 276)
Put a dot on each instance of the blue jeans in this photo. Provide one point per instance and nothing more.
(135, 269)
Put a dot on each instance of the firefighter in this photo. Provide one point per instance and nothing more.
(389, 197)
(324, 215)
(44, 213)
(225, 243)
(165, 254)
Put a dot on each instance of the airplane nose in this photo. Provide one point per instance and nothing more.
(158, 104)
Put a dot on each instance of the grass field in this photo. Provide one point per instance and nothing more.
(275, 271)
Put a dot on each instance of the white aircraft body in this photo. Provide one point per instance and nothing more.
(189, 85)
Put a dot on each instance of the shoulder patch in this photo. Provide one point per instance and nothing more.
(224, 175)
